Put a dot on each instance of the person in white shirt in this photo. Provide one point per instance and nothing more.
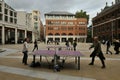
(25, 51)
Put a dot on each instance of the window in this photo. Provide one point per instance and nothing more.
(0, 9)
(63, 28)
(35, 18)
(6, 18)
(57, 34)
(50, 28)
(70, 28)
(6, 11)
(50, 34)
(15, 21)
(11, 20)
(63, 33)
(15, 14)
(11, 13)
(70, 23)
(1, 16)
(70, 34)
(36, 25)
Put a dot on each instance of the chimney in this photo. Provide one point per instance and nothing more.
(106, 4)
(112, 3)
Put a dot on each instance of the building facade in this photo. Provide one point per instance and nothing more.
(36, 24)
(24, 22)
(106, 24)
(13, 25)
(62, 26)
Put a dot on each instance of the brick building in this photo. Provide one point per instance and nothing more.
(106, 24)
(62, 26)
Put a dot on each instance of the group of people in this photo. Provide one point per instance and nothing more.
(116, 44)
(25, 50)
(96, 52)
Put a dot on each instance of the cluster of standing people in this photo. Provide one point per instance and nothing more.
(25, 50)
(116, 44)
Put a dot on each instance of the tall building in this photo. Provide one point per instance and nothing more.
(117, 1)
(8, 21)
(62, 26)
(36, 24)
(12, 25)
(24, 22)
(106, 24)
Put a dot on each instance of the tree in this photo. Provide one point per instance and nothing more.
(82, 14)
(89, 34)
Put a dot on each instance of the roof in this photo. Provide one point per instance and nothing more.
(59, 13)
(108, 9)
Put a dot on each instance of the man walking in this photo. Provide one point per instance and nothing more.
(97, 52)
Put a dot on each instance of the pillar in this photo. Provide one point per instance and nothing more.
(16, 36)
(25, 33)
(3, 35)
(33, 37)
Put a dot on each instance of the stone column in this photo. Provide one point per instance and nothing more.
(33, 37)
(16, 36)
(84, 40)
(3, 35)
(25, 33)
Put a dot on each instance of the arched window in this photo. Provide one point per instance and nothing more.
(50, 34)
(57, 34)
(63, 33)
(70, 34)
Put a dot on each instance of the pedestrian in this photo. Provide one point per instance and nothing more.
(35, 45)
(108, 43)
(74, 45)
(116, 46)
(25, 51)
(67, 45)
(97, 52)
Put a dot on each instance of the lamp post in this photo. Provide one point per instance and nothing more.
(112, 29)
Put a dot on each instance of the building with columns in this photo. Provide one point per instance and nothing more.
(13, 25)
(106, 25)
(62, 26)
(24, 22)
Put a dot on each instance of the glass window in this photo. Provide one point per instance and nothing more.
(6, 18)
(6, 11)
(0, 9)
(11, 20)
(11, 13)
(35, 18)
(1, 16)
(36, 25)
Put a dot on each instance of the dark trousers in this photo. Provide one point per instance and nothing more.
(108, 50)
(116, 50)
(74, 48)
(35, 47)
(25, 56)
(102, 60)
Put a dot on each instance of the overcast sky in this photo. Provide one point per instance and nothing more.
(44, 6)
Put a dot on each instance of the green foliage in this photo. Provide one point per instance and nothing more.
(82, 14)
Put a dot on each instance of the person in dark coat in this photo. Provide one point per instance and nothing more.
(74, 45)
(117, 45)
(97, 52)
(67, 44)
(35, 45)
(108, 46)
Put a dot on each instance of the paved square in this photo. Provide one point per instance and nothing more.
(11, 65)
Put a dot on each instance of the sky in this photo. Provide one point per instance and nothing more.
(45, 6)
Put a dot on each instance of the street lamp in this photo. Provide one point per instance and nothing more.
(112, 29)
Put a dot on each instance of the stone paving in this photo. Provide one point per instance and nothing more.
(12, 52)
